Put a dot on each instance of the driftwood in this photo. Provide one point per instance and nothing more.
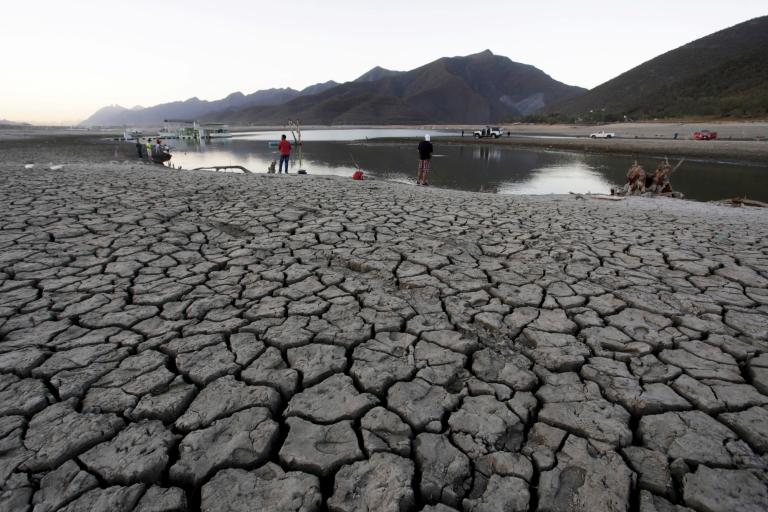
(656, 183)
(220, 167)
(743, 201)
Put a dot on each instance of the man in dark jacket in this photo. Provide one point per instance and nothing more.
(425, 154)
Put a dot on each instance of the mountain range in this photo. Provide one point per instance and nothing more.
(5, 122)
(722, 74)
(479, 88)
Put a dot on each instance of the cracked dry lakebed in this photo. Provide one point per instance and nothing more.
(184, 341)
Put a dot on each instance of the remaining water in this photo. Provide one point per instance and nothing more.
(488, 168)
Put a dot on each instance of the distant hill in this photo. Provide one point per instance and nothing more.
(723, 74)
(377, 73)
(480, 88)
(5, 122)
(194, 108)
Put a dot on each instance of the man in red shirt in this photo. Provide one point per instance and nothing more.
(285, 153)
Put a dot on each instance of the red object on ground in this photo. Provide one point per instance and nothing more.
(358, 175)
(285, 147)
(704, 135)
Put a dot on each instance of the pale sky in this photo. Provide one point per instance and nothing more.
(63, 60)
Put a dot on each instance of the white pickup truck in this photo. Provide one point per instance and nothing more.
(602, 135)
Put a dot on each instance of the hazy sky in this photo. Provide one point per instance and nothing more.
(62, 60)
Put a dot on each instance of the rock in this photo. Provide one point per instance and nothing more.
(111, 499)
(243, 439)
(22, 396)
(331, 400)
(139, 453)
(319, 449)
(722, 490)
(421, 404)
(445, 471)
(384, 431)
(166, 406)
(58, 433)
(439, 366)
(161, 499)
(643, 326)
(505, 368)
(207, 364)
(464, 343)
(21, 361)
(750, 324)
(246, 347)
(266, 488)
(618, 385)
(751, 425)
(223, 397)
(315, 362)
(555, 351)
(599, 420)
(611, 342)
(606, 304)
(61, 486)
(585, 480)
(553, 320)
(503, 464)
(270, 370)
(484, 425)
(651, 503)
(692, 435)
(382, 483)
(518, 296)
(502, 493)
(650, 370)
(652, 470)
(380, 362)
(543, 443)
(700, 368)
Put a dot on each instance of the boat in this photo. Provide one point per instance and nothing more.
(133, 134)
(214, 131)
(193, 130)
(167, 133)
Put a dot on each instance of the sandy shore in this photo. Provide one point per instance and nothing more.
(739, 141)
(187, 341)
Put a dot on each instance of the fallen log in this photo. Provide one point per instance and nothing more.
(743, 201)
(220, 167)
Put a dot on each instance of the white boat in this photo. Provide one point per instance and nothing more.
(214, 131)
(167, 133)
(132, 134)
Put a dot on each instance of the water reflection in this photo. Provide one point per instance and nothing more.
(489, 168)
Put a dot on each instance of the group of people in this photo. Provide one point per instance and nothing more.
(425, 156)
(148, 149)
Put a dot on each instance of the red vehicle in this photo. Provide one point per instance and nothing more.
(704, 135)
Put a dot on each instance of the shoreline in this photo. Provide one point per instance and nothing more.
(738, 142)
(738, 152)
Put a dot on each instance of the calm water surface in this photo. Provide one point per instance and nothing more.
(488, 168)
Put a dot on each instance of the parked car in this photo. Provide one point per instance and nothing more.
(704, 135)
(488, 131)
(602, 135)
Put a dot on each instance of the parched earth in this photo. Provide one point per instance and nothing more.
(175, 341)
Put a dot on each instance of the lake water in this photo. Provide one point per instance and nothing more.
(488, 168)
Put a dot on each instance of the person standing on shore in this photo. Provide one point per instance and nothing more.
(425, 155)
(285, 153)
